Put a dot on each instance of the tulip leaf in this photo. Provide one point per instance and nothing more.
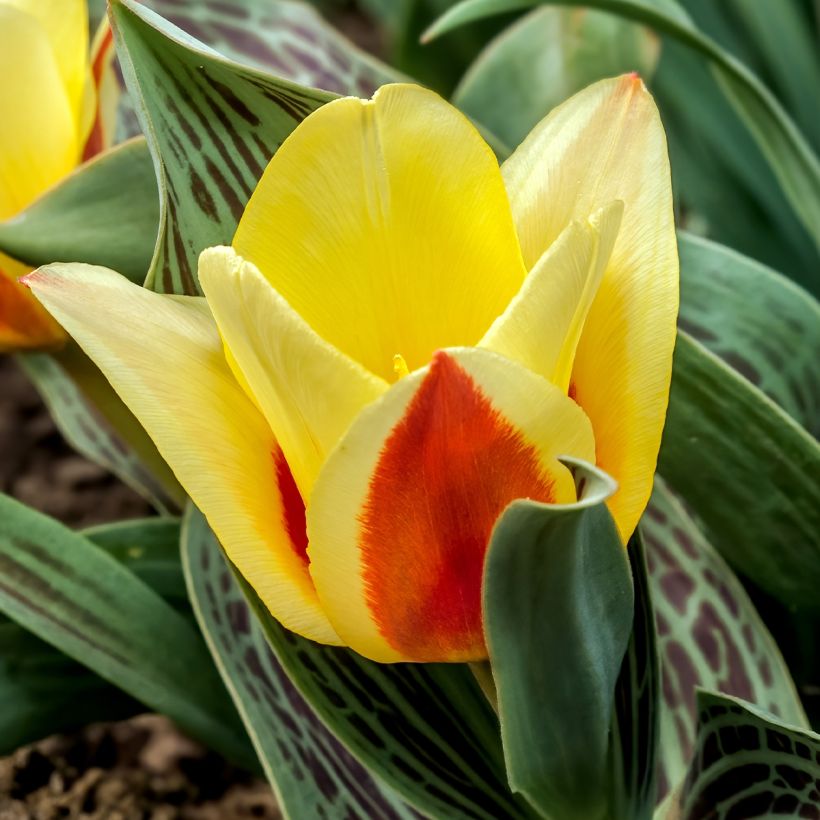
(105, 213)
(212, 126)
(721, 180)
(72, 594)
(42, 691)
(729, 448)
(424, 729)
(312, 774)
(748, 764)
(790, 156)
(761, 324)
(96, 423)
(709, 634)
(637, 707)
(544, 58)
(558, 609)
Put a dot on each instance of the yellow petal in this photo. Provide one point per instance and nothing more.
(65, 23)
(308, 390)
(607, 143)
(38, 139)
(386, 226)
(24, 323)
(542, 325)
(402, 513)
(163, 355)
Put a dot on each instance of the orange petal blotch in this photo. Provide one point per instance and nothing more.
(447, 471)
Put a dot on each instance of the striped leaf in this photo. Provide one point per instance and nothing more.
(42, 691)
(709, 634)
(758, 322)
(212, 126)
(728, 448)
(425, 730)
(72, 594)
(790, 156)
(97, 424)
(748, 764)
(312, 774)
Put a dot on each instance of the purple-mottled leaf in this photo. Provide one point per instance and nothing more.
(709, 634)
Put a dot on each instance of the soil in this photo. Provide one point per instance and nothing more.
(139, 769)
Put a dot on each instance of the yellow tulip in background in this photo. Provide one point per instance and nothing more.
(402, 340)
(50, 120)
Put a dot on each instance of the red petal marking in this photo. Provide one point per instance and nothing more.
(293, 508)
(445, 474)
(95, 142)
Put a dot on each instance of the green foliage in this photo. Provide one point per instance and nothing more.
(749, 472)
(791, 157)
(74, 595)
(310, 771)
(105, 213)
(543, 59)
(748, 764)
(709, 634)
(558, 605)
(759, 323)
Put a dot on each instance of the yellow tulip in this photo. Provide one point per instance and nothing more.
(49, 122)
(402, 339)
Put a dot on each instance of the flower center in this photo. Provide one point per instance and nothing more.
(400, 366)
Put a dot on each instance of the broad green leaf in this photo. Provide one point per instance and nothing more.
(748, 764)
(748, 471)
(96, 423)
(149, 547)
(42, 691)
(558, 604)
(72, 594)
(212, 127)
(312, 774)
(790, 156)
(724, 187)
(709, 634)
(105, 213)
(635, 730)
(425, 730)
(761, 324)
(544, 58)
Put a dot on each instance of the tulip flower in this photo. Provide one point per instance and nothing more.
(50, 120)
(403, 339)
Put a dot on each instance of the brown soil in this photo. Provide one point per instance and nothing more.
(140, 769)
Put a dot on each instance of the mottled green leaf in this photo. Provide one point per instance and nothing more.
(761, 324)
(74, 595)
(97, 424)
(105, 213)
(312, 773)
(748, 764)
(543, 59)
(709, 634)
(558, 605)
(748, 471)
(790, 156)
